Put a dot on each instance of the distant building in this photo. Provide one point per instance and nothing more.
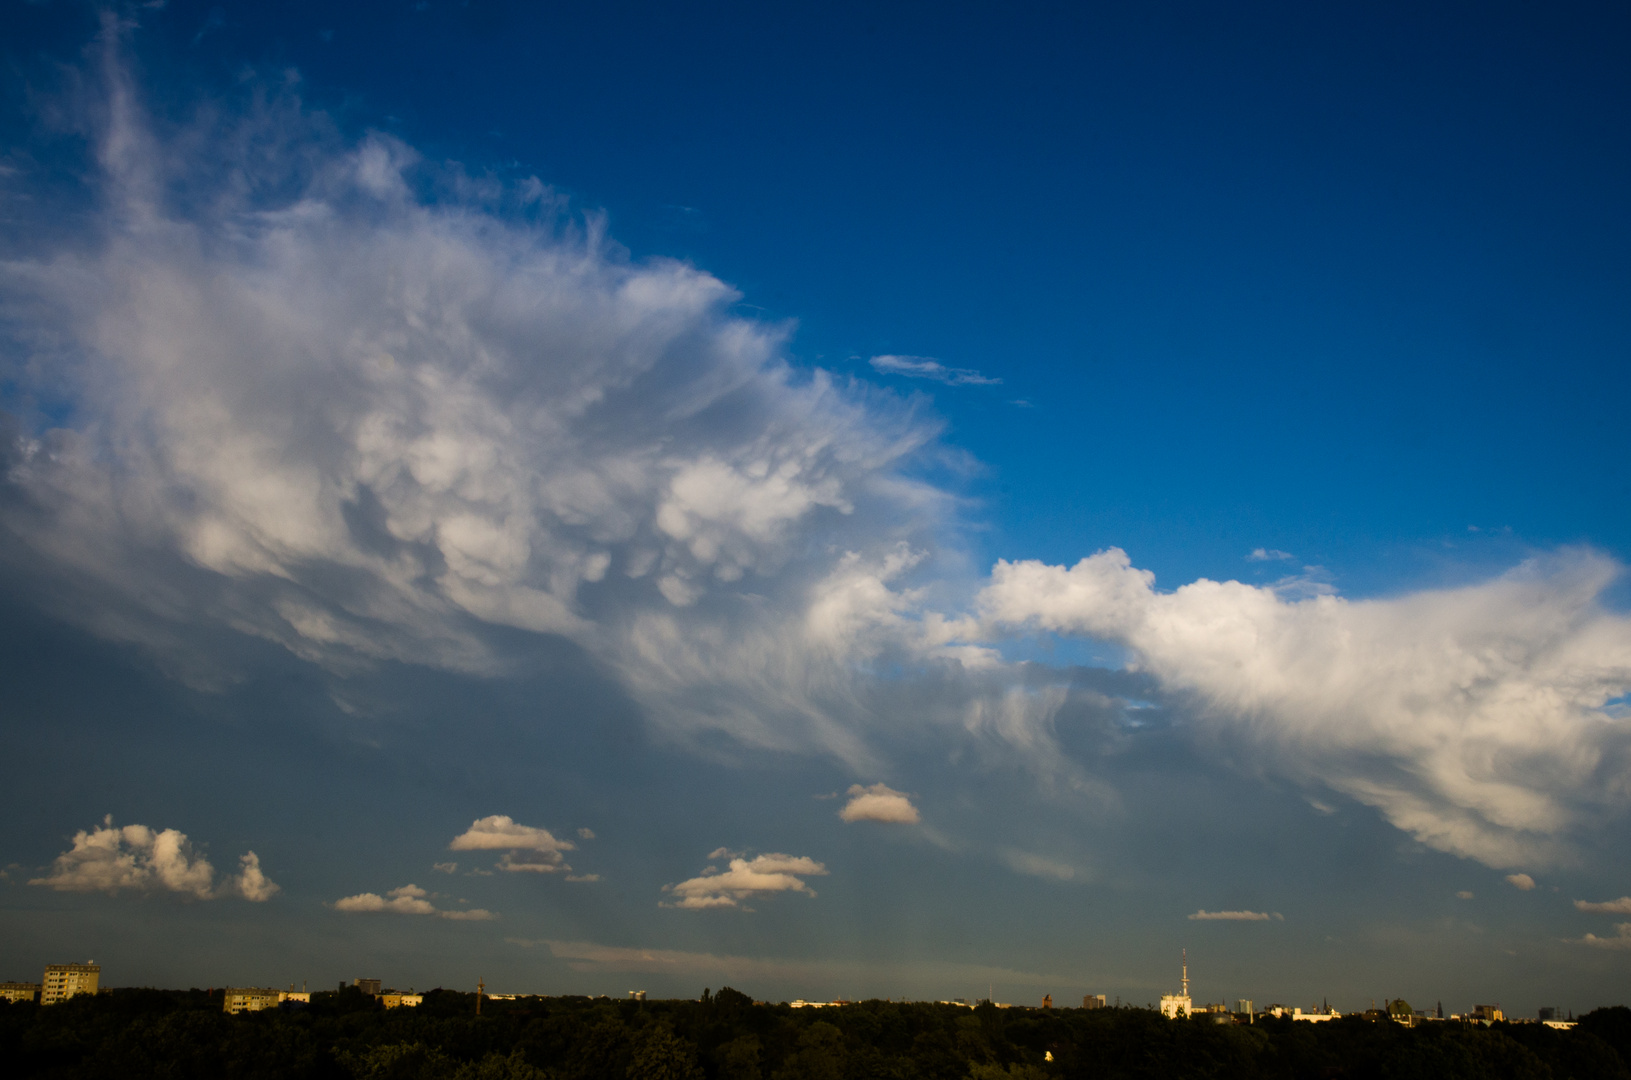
(637, 995)
(63, 981)
(1047, 1001)
(1549, 1012)
(247, 999)
(1093, 1001)
(1487, 1014)
(1560, 1025)
(1244, 1006)
(1176, 1005)
(12, 991)
(395, 1001)
(367, 986)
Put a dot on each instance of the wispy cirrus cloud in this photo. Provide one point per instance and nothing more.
(1235, 916)
(927, 367)
(136, 858)
(1269, 555)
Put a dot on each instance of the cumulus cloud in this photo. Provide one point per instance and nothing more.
(927, 367)
(1521, 882)
(1472, 718)
(526, 849)
(1464, 894)
(744, 879)
(1620, 940)
(1622, 906)
(879, 803)
(1234, 916)
(410, 899)
(314, 407)
(136, 858)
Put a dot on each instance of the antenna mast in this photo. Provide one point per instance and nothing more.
(1186, 972)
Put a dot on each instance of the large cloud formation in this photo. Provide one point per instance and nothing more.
(744, 879)
(136, 858)
(1476, 719)
(526, 848)
(370, 408)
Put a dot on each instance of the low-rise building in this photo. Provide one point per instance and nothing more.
(20, 991)
(393, 1001)
(367, 986)
(63, 981)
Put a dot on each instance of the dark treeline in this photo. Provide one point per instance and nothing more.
(180, 1035)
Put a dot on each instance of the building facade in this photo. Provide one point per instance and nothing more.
(63, 981)
(396, 1001)
(15, 991)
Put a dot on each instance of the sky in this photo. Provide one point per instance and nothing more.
(931, 501)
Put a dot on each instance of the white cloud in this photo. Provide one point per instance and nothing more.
(879, 803)
(136, 858)
(586, 834)
(445, 867)
(526, 849)
(1521, 882)
(1622, 906)
(1472, 718)
(1269, 555)
(1036, 866)
(927, 367)
(367, 428)
(410, 899)
(1232, 916)
(1620, 940)
(745, 879)
(1464, 895)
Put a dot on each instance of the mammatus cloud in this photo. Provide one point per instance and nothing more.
(1521, 882)
(1269, 555)
(879, 803)
(1235, 916)
(135, 858)
(526, 849)
(1622, 906)
(410, 899)
(744, 879)
(1472, 718)
(927, 367)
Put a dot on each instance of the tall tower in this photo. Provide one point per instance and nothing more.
(1186, 972)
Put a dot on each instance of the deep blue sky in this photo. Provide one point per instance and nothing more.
(1346, 283)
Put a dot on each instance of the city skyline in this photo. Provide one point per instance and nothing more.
(841, 503)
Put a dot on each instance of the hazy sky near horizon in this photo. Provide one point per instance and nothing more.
(924, 500)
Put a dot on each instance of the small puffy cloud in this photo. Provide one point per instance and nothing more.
(586, 834)
(1622, 906)
(1620, 940)
(410, 899)
(745, 879)
(1521, 882)
(1269, 555)
(446, 867)
(1234, 916)
(879, 803)
(927, 367)
(136, 858)
(526, 849)
(1464, 894)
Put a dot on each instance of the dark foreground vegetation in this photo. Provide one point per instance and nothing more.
(180, 1035)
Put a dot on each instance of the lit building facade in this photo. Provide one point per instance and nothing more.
(63, 981)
